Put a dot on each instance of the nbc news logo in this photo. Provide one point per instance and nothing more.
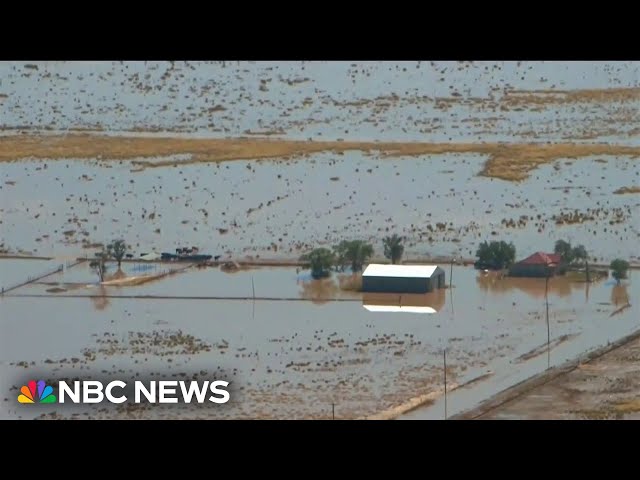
(93, 391)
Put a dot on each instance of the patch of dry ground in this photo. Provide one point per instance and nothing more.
(512, 162)
(624, 190)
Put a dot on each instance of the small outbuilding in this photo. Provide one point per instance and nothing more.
(539, 264)
(379, 278)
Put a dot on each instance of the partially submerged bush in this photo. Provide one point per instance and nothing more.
(320, 262)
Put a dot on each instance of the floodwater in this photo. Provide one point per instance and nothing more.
(277, 209)
(317, 347)
(294, 359)
(281, 208)
(191, 281)
(397, 101)
(16, 271)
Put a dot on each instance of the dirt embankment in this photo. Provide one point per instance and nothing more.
(505, 161)
(602, 384)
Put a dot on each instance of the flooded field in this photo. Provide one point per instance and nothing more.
(267, 160)
(390, 101)
(457, 136)
(16, 271)
(272, 209)
(294, 358)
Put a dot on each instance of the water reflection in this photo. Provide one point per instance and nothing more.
(620, 295)
(99, 298)
(534, 287)
(431, 302)
(326, 289)
(319, 291)
(117, 275)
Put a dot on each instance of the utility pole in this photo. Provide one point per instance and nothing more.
(451, 272)
(546, 296)
(333, 411)
(445, 383)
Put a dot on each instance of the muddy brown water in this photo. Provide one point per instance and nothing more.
(281, 210)
(397, 101)
(293, 359)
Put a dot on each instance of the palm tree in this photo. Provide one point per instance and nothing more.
(393, 248)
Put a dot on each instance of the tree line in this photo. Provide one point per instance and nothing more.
(116, 250)
(351, 254)
(500, 255)
(494, 255)
(354, 254)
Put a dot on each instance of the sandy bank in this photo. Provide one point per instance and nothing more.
(409, 405)
(131, 281)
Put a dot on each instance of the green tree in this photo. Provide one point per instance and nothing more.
(117, 250)
(579, 254)
(564, 250)
(497, 255)
(320, 261)
(354, 253)
(619, 269)
(571, 255)
(393, 248)
(99, 265)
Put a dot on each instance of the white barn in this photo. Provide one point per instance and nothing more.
(380, 278)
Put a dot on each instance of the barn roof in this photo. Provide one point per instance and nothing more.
(541, 258)
(400, 271)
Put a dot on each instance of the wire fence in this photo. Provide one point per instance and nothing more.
(192, 297)
(57, 269)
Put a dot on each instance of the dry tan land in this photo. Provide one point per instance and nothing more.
(505, 161)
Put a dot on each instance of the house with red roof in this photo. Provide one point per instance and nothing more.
(539, 264)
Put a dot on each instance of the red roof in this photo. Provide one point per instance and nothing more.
(541, 258)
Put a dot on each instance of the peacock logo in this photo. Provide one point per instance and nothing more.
(44, 393)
